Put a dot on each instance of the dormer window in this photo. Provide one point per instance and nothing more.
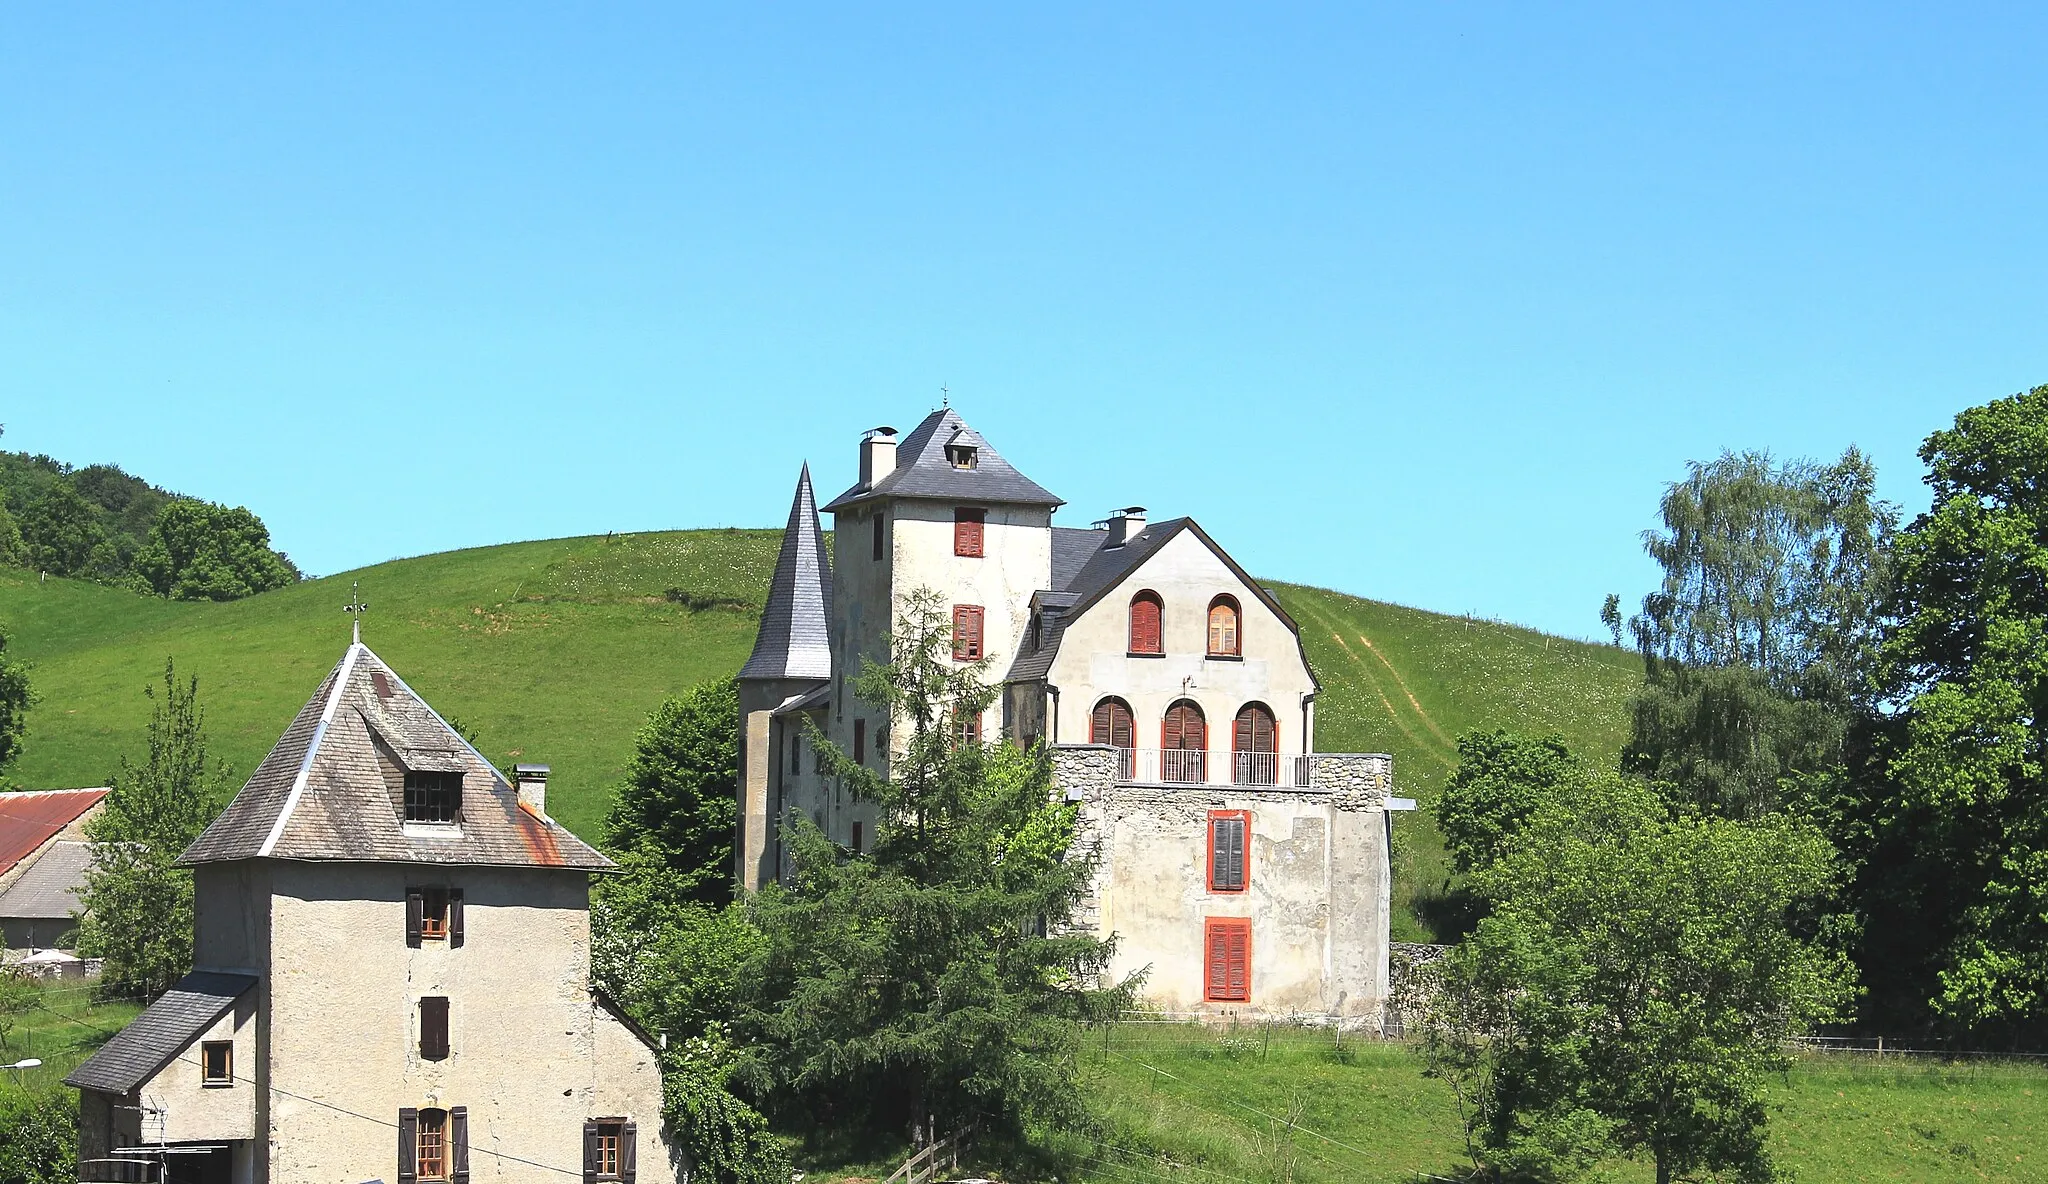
(963, 456)
(433, 796)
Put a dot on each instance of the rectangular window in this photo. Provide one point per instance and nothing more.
(217, 1062)
(860, 741)
(795, 753)
(877, 532)
(967, 526)
(967, 633)
(1229, 838)
(857, 836)
(432, 1158)
(1227, 960)
(434, 1028)
(434, 914)
(608, 1151)
(433, 796)
(967, 726)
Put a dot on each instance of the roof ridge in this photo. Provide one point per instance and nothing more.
(298, 790)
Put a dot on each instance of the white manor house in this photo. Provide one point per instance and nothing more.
(1246, 870)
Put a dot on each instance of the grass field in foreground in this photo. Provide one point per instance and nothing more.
(1194, 1104)
(556, 651)
(64, 1027)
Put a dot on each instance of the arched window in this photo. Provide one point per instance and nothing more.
(1223, 632)
(1146, 611)
(1184, 744)
(1112, 724)
(1254, 746)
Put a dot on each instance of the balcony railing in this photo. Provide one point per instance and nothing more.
(1194, 766)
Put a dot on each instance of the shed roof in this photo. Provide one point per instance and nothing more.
(924, 471)
(31, 818)
(322, 793)
(48, 888)
(164, 1029)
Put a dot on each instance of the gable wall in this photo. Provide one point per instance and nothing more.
(177, 1106)
(1093, 659)
(530, 1056)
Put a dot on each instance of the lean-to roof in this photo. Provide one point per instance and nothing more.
(165, 1028)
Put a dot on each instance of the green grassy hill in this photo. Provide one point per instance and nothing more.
(555, 651)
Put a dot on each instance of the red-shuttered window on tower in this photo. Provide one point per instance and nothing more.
(967, 527)
(1227, 960)
(1146, 611)
(967, 633)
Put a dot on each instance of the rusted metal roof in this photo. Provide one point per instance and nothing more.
(28, 820)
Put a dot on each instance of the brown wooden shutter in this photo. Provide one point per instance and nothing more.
(1145, 635)
(967, 533)
(408, 1145)
(589, 1153)
(454, 918)
(629, 1158)
(458, 1145)
(434, 1028)
(415, 911)
(1218, 959)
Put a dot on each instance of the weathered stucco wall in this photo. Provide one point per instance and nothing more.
(531, 1055)
(177, 1106)
(1093, 659)
(1318, 895)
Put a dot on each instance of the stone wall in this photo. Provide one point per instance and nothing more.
(1359, 780)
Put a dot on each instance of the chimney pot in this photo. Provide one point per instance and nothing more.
(533, 787)
(877, 456)
(1126, 524)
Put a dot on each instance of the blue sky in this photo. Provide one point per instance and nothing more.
(1422, 302)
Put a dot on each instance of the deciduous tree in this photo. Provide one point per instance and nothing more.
(137, 903)
(679, 802)
(15, 700)
(201, 551)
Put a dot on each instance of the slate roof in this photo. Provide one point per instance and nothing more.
(1072, 548)
(922, 470)
(28, 820)
(165, 1028)
(330, 789)
(795, 639)
(48, 889)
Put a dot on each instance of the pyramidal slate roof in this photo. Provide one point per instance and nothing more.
(333, 788)
(795, 640)
(924, 471)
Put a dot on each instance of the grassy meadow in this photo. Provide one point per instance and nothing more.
(555, 652)
(66, 1025)
(1289, 1106)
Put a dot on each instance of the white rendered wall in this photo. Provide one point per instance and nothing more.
(1093, 660)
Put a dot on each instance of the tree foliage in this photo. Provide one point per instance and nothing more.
(201, 551)
(937, 979)
(137, 903)
(1633, 986)
(679, 803)
(62, 535)
(1951, 826)
(38, 1136)
(1502, 779)
(1756, 645)
(15, 700)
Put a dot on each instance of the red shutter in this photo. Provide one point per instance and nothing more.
(1227, 958)
(629, 1157)
(967, 528)
(454, 918)
(415, 912)
(408, 1145)
(1145, 624)
(967, 632)
(458, 1145)
(589, 1153)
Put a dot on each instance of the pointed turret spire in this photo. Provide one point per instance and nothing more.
(794, 641)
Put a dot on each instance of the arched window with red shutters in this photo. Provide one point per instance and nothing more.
(1113, 724)
(1146, 611)
(1184, 744)
(1224, 638)
(1254, 746)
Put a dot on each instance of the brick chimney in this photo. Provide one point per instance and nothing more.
(533, 787)
(1126, 524)
(877, 456)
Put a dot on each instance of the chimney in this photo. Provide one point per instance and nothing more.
(533, 787)
(1126, 524)
(877, 456)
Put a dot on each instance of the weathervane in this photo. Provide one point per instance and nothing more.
(945, 396)
(355, 608)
